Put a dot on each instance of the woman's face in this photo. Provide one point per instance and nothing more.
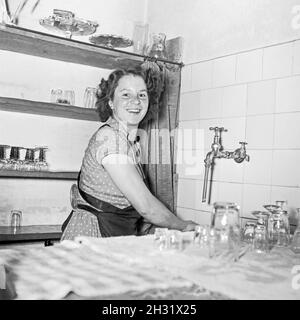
(130, 102)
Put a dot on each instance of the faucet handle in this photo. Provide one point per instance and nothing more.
(243, 144)
(218, 129)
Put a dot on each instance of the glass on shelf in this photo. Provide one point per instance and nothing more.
(29, 160)
(4, 156)
(89, 99)
(140, 37)
(40, 162)
(157, 48)
(15, 220)
(14, 158)
(62, 96)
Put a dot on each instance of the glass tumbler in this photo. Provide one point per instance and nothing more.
(226, 225)
(295, 245)
(15, 220)
(248, 232)
(260, 241)
(56, 95)
(201, 235)
(89, 99)
(140, 37)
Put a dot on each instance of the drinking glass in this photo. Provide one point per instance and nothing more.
(40, 159)
(260, 241)
(89, 98)
(158, 46)
(279, 229)
(140, 37)
(15, 220)
(69, 97)
(226, 229)
(56, 95)
(295, 244)
(201, 235)
(248, 232)
(3, 156)
(29, 160)
(14, 158)
(160, 238)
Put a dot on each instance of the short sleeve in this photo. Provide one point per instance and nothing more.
(109, 141)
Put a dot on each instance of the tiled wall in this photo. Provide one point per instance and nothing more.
(256, 96)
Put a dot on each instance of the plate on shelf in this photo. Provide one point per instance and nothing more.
(111, 41)
(64, 22)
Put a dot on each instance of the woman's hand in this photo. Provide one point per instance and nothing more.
(190, 226)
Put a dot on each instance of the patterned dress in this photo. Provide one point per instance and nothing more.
(110, 138)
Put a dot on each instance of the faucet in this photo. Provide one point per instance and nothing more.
(217, 151)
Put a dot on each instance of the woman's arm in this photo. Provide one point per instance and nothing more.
(126, 177)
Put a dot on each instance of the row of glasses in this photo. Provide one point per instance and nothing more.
(23, 159)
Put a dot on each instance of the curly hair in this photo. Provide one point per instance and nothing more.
(106, 90)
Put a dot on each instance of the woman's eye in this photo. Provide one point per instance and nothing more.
(125, 95)
(142, 95)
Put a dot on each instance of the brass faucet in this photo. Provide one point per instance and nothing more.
(238, 155)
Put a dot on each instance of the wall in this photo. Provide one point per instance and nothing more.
(22, 76)
(242, 71)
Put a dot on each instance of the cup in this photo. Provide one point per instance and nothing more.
(69, 97)
(160, 238)
(15, 220)
(56, 95)
(226, 230)
(261, 241)
(89, 99)
(140, 37)
(158, 46)
(248, 232)
(201, 235)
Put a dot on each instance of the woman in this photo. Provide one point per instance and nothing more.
(114, 199)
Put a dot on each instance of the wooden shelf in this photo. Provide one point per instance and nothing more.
(68, 175)
(47, 109)
(49, 46)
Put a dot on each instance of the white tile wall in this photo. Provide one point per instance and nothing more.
(256, 96)
(277, 61)
(202, 75)
(254, 197)
(286, 168)
(259, 169)
(234, 101)
(296, 55)
(224, 70)
(210, 103)
(287, 131)
(236, 128)
(249, 66)
(259, 131)
(189, 106)
(261, 97)
(186, 79)
(288, 94)
(232, 192)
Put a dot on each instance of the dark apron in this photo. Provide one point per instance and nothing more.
(112, 221)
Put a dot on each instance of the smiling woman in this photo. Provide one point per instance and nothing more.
(113, 197)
